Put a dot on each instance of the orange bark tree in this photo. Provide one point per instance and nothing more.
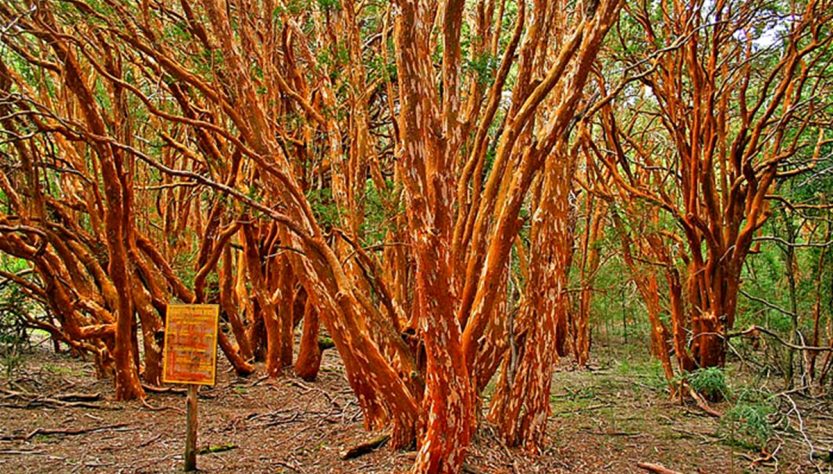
(362, 165)
(730, 103)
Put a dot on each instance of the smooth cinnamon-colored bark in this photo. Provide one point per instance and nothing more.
(309, 352)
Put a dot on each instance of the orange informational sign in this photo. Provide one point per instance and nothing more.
(190, 344)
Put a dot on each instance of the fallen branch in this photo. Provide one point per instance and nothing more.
(61, 431)
(78, 397)
(72, 432)
(52, 403)
(800, 423)
(701, 402)
(656, 468)
(150, 407)
(217, 448)
(78, 400)
(763, 459)
(365, 448)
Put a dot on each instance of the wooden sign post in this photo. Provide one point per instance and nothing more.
(191, 358)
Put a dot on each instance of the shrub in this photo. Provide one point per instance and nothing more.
(709, 382)
(747, 423)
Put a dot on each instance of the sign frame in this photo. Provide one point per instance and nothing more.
(213, 331)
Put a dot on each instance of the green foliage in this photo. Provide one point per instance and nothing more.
(176, 31)
(323, 206)
(14, 336)
(649, 373)
(583, 393)
(293, 7)
(710, 382)
(484, 66)
(377, 67)
(376, 222)
(329, 5)
(747, 423)
(12, 360)
(183, 264)
(208, 61)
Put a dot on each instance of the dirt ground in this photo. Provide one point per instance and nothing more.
(604, 420)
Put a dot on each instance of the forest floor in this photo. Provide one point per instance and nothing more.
(606, 419)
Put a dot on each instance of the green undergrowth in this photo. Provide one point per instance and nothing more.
(748, 423)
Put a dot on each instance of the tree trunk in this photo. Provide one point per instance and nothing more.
(522, 398)
(448, 408)
(309, 352)
(264, 301)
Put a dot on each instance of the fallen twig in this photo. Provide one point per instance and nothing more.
(587, 408)
(704, 437)
(147, 442)
(157, 389)
(18, 452)
(309, 388)
(150, 407)
(617, 433)
(656, 468)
